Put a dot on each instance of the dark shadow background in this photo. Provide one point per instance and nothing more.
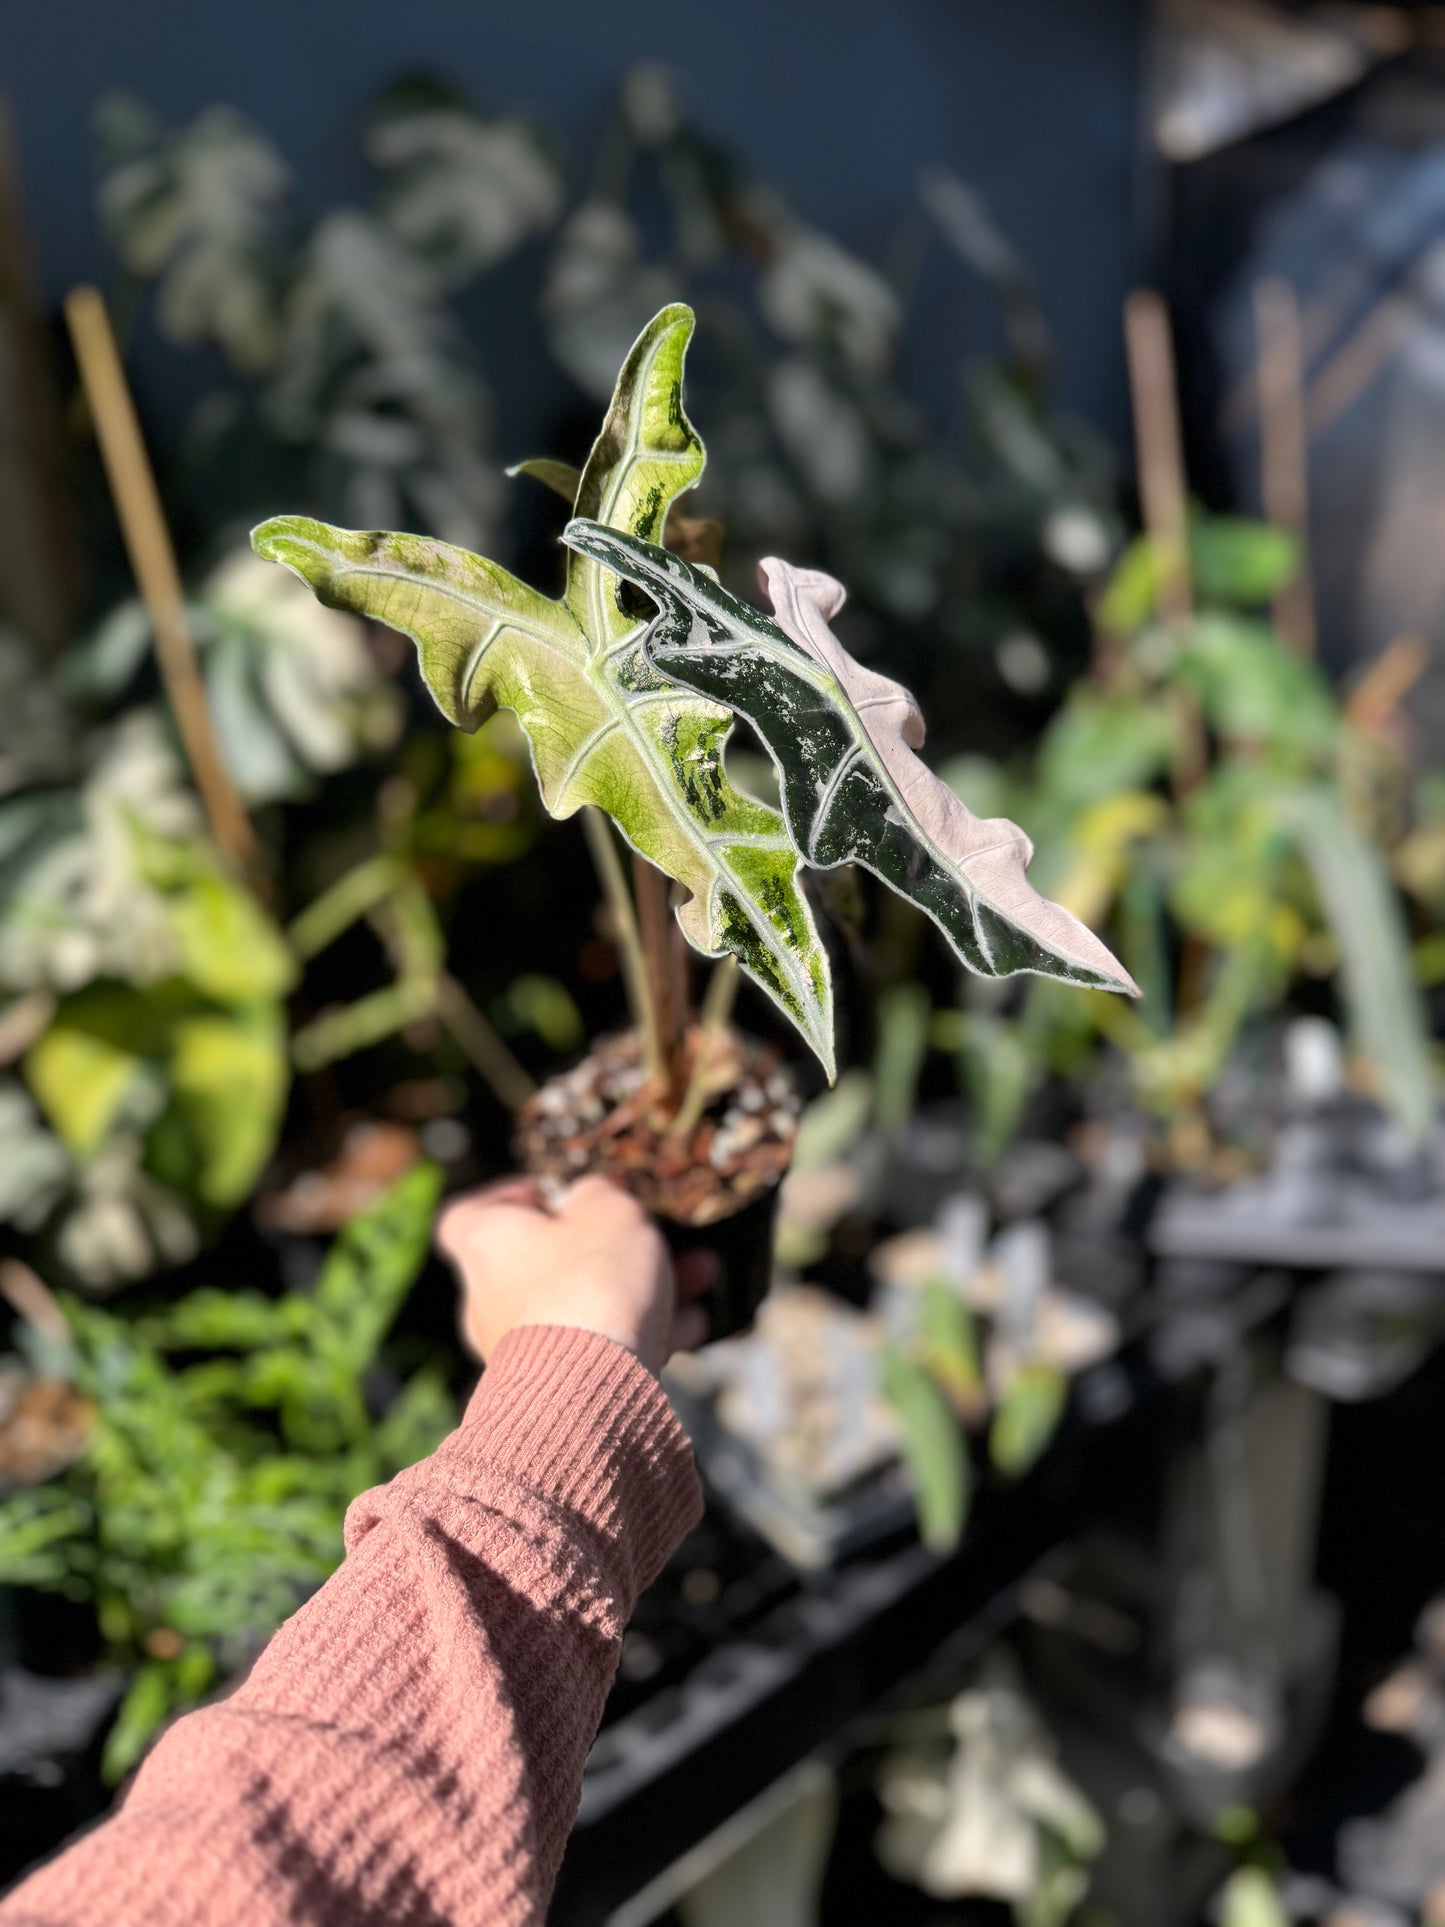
(1034, 102)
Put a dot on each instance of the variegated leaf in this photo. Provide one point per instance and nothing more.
(605, 726)
(844, 740)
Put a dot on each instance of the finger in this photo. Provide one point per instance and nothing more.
(697, 1271)
(689, 1330)
(460, 1218)
(595, 1192)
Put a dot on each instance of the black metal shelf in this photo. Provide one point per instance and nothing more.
(667, 1773)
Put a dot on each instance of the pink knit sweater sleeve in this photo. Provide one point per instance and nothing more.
(408, 1750)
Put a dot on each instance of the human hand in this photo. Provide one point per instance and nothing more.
(596, 1263)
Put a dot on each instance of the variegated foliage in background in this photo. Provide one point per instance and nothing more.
(346, 326)
(605, 725)
(295, 693)
(844, 740)
(142, 1001)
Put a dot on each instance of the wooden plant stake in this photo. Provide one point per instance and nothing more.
(1160, 447)
(1284, 452)
(153, 561)
(1163, 494)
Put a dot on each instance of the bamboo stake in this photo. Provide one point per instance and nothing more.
(153, 561)
(1284, 452)
(1160, 447)
(489, 1056)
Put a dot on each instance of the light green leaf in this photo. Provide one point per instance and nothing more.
(228, 947)
(1098, 745)
(1255, 692)
(904, 1015)
(934, 1449)
(371, 1265)
(1359, 901)
(230, 1077)
(948, 1344)
(561, 477)
(834, 1122)
(844, 740)
(142, 1712)
(1252, 1900)
(605, 726)
(90, 1065)
(1027, 1417)
(1236, 561)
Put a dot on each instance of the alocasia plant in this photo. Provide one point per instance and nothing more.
(630, 708)
(845, 742)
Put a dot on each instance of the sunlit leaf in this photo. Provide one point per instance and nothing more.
(605, 726)
(230, 1076)
(844, 740)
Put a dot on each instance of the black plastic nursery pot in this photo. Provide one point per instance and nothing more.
(712, 1184)
(743, 1247)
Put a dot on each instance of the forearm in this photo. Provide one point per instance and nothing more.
(410, 1746)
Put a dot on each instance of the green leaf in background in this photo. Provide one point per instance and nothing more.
(144, 1709)
(905, 1012)
(1026, 1417)
(948, 1347)
(844, 739)
(1099, 745)
(82, 1073)
(834, 1122)
(230, 1075)
(182, 1513)
(226, 946)
(998, 1072)
(1239, 562)
(1386, 1015)
(1255, 692)
(934, 1449)
(372, 1264)
(1251, 1899)
(604, 725)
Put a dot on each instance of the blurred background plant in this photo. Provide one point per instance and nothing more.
(204, 1499)
(199, 1075)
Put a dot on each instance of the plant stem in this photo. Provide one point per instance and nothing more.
(1160, 449)
(626, 936)
(656, 924)
(717, 1007)
(34, 1301)
(490, 1057)
(153, 560)
(344, 903)
(1284, 452)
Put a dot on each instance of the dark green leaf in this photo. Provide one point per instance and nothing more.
(844, 739)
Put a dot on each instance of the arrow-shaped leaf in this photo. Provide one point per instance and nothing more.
(605, 726)
(844, 740)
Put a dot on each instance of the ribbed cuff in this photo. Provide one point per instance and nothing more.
(578, 1419)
